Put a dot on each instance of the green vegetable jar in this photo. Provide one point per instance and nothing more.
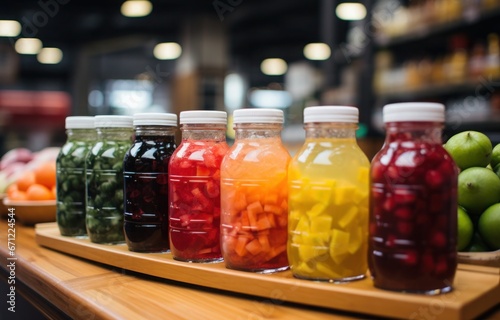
(104, 179)
(81, 136)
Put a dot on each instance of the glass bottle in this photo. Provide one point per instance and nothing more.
(70, 166)
(194, 183)
(254, 194)
(413, 203)
(328, 199)
(104, 179)
(145, 173)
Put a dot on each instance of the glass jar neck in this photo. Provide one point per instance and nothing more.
(115, 134)
(257, 130)
(204, 131)
(339, 130)
(157, 131)
(430, 132)
(81, 134)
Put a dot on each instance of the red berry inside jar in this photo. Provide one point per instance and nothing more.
(413, 204)
(194, 193)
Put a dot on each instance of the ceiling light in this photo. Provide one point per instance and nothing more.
(136, 8)
(9, 28)
(351, 11)
(273, 67)
(317, 51)
(28, 45)
(167, 51)
(50, 56)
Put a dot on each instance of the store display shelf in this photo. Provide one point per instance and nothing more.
(436, 90)
(475, 291)
(421, 32)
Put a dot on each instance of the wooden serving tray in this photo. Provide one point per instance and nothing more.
(476, 288)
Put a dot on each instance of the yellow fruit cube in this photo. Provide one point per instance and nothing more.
(364, 175)
(349, 217)
(310, 252)
(339, 245)
(344, 195)
(321, 223)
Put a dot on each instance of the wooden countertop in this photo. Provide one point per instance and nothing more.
(82, 289)
(87, 290)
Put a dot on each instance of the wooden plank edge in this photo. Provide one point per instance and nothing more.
(284, 288)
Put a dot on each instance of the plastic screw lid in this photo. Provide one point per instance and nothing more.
(414, 111)
(77, 122)
(331, 114)
(113, 122)
(203, 117)
(258, 116)
(155, 119)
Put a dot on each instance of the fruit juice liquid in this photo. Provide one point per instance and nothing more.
(194, 183)
(145, 176)
(328, 199)
(413, 203)
(254, 196)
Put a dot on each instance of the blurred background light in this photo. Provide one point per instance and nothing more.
(234, 91)
(28, 45)
(317, 51)
(351, 11)
(50, 55)
(273, 67)
(9, 28)
(167, 51)
(136, 8)
(270, 99)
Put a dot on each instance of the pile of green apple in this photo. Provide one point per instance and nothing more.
(478, 190)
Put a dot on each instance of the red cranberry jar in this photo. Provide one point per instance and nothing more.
(146, 182)
(194, 187)
(413, 203)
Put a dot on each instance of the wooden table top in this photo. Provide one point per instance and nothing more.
(87, 290)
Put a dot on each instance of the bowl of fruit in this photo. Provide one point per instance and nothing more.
(31, 198)
(478, 197)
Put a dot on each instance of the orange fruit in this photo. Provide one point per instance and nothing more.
(25, 181)
(38, 192)
(18, 195)
(54, 192)
(45, 174)
(11, 189)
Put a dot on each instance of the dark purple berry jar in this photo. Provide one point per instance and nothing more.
(145, 173)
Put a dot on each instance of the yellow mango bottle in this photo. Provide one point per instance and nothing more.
(328, 183)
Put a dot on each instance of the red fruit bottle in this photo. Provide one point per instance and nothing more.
(413, 203)
(145, 176)
(194, 187)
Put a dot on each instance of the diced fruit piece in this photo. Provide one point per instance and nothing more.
(339, 245)
(321, 224)
(344, 195)
(349, 217)
(307, 253)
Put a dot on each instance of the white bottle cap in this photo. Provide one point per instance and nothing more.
(113, 122)
(155, 119)
(258, 116)
(203, 117)
(413, 111)
(331, 114)
(78, 122)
